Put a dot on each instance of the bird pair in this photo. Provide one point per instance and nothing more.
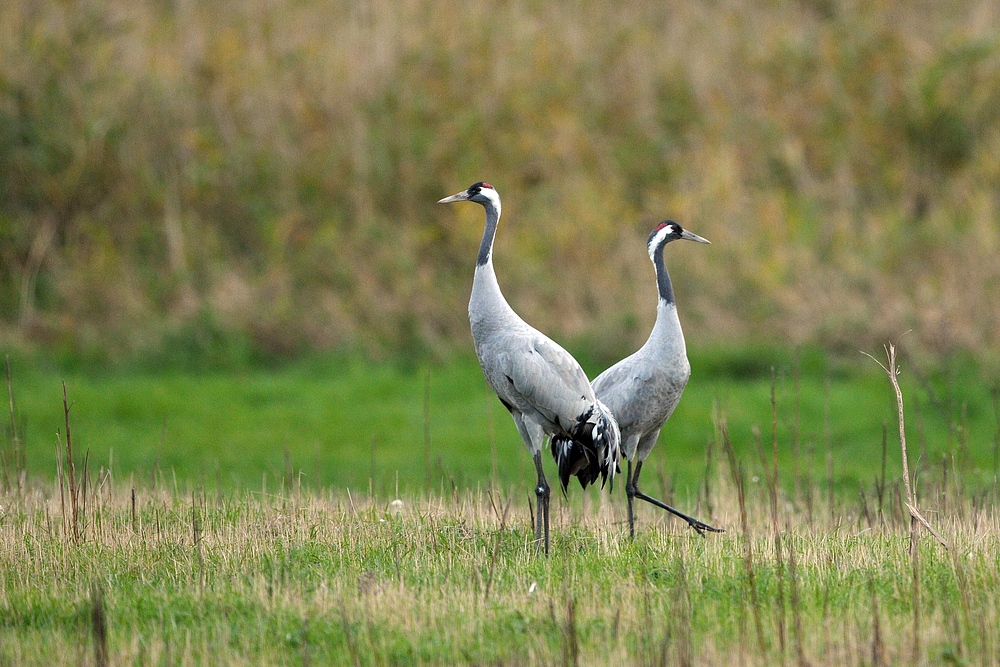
(589, 426)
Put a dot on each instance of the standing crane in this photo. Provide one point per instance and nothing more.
(540, 383)
(643, 389)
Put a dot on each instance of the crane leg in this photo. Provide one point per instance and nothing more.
(699, 526)
(630, 494)
(542, 493)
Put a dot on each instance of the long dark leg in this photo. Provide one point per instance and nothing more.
(630, 494)
(694, 523)
(542, 493)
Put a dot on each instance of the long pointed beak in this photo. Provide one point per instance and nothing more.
(685, 234)
(459, 196)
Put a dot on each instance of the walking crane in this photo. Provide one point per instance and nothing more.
(541, 384)
(643, 389)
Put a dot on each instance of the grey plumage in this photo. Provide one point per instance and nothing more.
(643, 389)
(540, 383)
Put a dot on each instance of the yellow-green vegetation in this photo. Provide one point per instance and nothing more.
(173, 174)
(156, 576)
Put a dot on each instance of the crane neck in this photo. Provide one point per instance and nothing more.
(488, 309)
(486, 246)
(663, 285)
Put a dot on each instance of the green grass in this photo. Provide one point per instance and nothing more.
(347, 423)
(230, 555)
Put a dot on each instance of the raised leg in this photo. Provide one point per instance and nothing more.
(542, 493)
(699, 526)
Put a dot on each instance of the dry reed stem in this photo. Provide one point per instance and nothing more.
(739, 483)
(778, 559)
(893, 371)
(427, 430)
(74, 512)
(16, 463)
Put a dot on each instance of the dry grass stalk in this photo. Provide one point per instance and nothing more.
(571, 648)
(427, 430)
(778, 559)
(99, 626)
(796, 425)
(827, 441)
(496, 544)
(893, 372)
(915, 562)
(196, 538)
(796, 609)
(682, 615)
(71, 471)
(82, 489)
(707, 488)
(13, 462)
(739, 483)
(880, 482)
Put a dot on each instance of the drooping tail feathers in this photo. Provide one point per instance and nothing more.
(590, 450)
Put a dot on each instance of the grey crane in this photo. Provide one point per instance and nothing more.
(540, 383)
(643, 389)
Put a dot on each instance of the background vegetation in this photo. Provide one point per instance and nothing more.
(257, 177)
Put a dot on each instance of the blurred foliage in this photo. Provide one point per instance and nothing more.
(175, 173)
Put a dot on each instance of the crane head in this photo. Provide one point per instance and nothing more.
(481, 193)
(668, 231)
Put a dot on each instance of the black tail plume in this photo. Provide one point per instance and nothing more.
(592, 449)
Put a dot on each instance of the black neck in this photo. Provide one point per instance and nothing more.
(486, 246)
(663, 285)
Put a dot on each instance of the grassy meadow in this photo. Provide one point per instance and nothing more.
(218, 229)
(293, 576)
(345, 512)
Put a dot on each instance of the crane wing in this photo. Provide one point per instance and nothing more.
(542, 377)
(640, 395)
(622, 388)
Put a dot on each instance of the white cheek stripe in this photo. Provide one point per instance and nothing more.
(492, 195)
(658, 239)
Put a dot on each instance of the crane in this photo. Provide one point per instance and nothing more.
(643, 389)
(542, 386)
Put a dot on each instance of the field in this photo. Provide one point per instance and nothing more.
(316, 578)
(349, 423)
(245, 426)
(264, 526)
